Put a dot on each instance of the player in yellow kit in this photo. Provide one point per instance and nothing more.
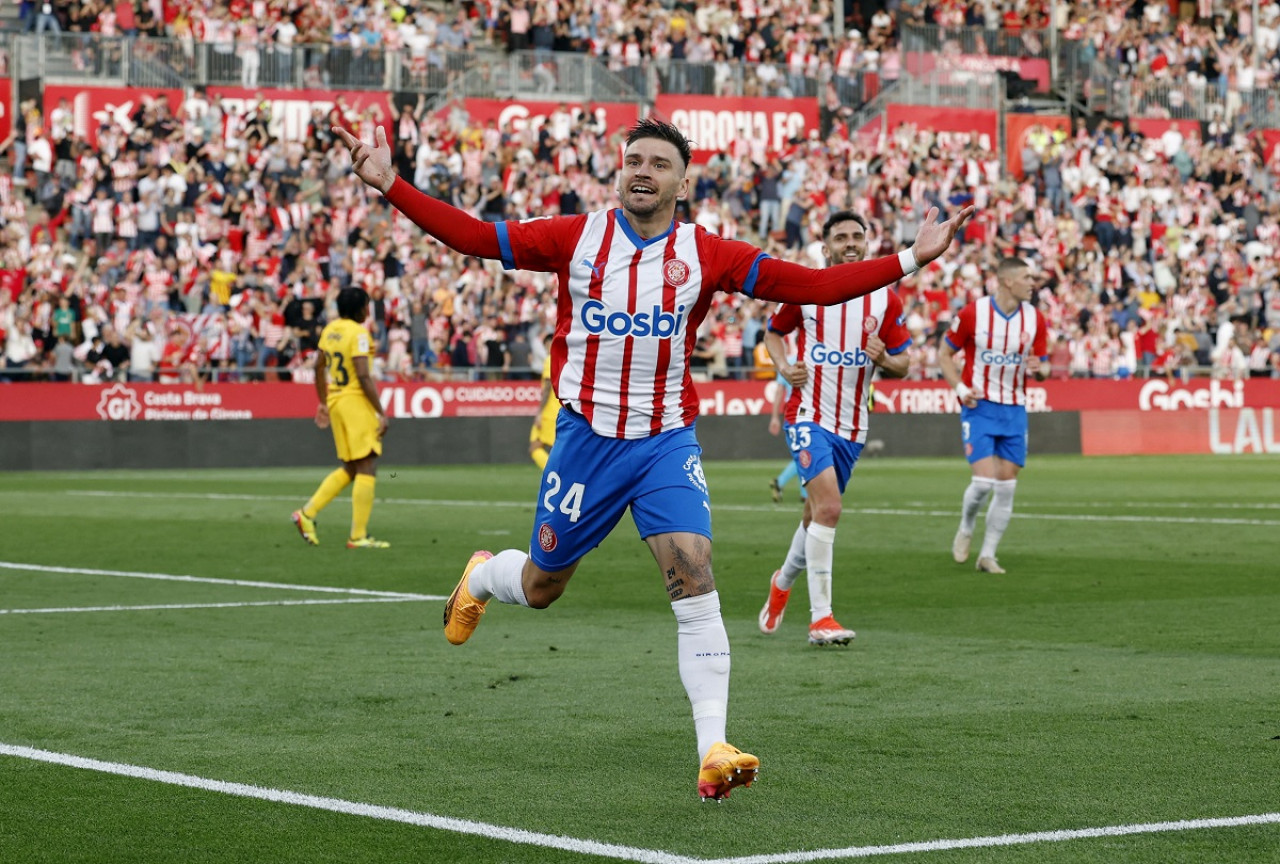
(349, 405)
(543, 434)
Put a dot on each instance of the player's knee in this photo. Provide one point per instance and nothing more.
(827, 513)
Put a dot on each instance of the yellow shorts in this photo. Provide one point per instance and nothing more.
(355, 428)
(547, 434)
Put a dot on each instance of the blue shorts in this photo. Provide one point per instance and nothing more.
(992, 429)
(590, 481)
(814, 449)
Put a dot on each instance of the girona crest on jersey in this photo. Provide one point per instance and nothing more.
(547, 538)
(675, 272)
(870, 324)
(805, 458)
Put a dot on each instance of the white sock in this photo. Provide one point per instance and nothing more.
(974, 497)
(819, 551)
(502, 576)
(998, 516)
(702, 649)
(795, 560)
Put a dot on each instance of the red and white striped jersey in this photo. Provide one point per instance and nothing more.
(628, 312)
(832, 342)
(996, 347)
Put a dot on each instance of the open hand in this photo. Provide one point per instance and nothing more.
(934, 237)
(372, 164)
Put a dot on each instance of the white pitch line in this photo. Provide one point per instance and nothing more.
(354, 808)
(737, 508)
(853, 852)
(213, 605)
(240, 583)
(610, 850)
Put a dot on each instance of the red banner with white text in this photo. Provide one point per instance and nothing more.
(273, 400)
(715, 123)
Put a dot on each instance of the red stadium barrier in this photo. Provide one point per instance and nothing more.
(274, 400)
(1083, 394)
(1220, 430)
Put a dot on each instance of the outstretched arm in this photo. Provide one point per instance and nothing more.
(793, 283)
(455, 228)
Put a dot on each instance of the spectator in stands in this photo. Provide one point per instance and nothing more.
(144, 350)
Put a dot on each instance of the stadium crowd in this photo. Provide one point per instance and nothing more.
(193, 243)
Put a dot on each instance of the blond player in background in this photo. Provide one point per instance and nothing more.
(1002, 338)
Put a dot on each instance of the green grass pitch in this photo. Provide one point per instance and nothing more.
(1125, 672)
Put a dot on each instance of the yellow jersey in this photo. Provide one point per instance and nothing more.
(342, 341)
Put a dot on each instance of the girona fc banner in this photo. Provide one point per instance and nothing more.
(715, 123)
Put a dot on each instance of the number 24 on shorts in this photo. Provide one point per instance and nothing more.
(570, 504)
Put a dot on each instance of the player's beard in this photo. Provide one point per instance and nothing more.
(648, 207)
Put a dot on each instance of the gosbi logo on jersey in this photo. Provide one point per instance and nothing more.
(995, 358)
(824, 356)
(870, 324)
(547, 538)
(662, 325)
(675, 272)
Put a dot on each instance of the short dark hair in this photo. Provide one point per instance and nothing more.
(842, 216)
(650, 128)
(352, 302)
(1008, 266)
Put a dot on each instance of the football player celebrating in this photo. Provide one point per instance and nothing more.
(633, 287)
(827, 416)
